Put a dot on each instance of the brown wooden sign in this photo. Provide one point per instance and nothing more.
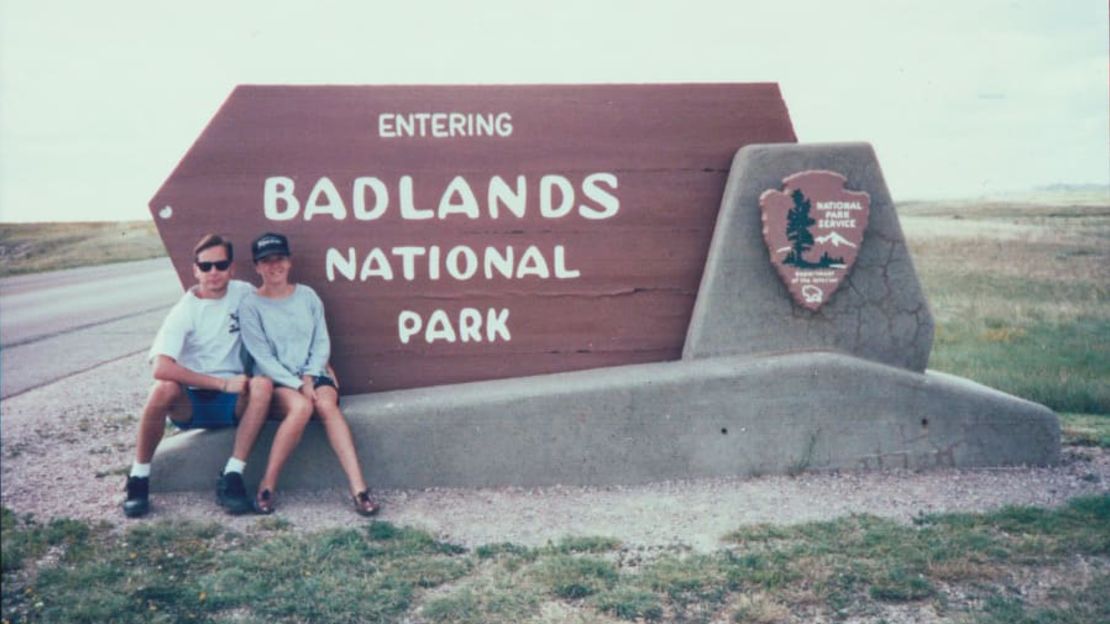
(814, 228)
(476, 232)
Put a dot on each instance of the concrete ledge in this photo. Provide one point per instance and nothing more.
(721, 416)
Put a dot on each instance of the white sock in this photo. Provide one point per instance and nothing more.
(140, 470)
(235, 465)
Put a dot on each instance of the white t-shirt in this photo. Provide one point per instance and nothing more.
(203, 334)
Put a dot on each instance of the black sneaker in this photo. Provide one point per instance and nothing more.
(138, 497)
(231, 494)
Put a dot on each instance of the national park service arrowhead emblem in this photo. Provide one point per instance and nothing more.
(814, 228)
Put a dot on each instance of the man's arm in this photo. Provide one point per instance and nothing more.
(167, 369)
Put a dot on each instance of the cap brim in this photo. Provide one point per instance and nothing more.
(271, 252)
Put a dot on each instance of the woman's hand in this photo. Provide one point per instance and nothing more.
(308, 388)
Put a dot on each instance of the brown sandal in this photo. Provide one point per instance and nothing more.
(364, 505)
(264, 502)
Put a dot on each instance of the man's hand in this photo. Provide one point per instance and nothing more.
(236, 384)
(308, 388)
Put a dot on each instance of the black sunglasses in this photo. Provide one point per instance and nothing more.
(221, 265)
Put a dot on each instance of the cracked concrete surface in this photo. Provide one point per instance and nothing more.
(879, 313)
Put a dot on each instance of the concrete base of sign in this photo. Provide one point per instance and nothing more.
(733, 415)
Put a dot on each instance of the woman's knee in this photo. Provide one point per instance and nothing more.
(300, 408)
(327, 405)
(260, 387)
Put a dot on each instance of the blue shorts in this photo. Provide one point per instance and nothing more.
(212, 409)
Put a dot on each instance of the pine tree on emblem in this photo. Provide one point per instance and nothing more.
(798, 223)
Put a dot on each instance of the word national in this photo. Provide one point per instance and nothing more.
(460, 263)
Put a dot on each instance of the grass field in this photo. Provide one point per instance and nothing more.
(1020, 296)
(1014, 565)
(1019, 291)
(34, 247)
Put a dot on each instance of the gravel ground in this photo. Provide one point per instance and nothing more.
(65, 450)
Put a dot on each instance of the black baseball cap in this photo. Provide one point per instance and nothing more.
(269, 244)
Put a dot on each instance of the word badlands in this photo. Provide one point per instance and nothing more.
(370, 198)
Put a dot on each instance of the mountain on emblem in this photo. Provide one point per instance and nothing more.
(813, 228)
(835, 239)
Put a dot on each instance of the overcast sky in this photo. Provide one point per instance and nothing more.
(99, 101)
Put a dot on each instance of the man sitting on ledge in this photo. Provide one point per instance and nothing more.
(199, 378)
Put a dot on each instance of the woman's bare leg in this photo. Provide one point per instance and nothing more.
(297, 410)
(339, 436)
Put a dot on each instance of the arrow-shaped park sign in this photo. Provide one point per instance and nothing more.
(462, 233)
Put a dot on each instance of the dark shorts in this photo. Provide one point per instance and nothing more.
(212, 409)
(323, 380)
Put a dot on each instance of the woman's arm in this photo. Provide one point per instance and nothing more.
(320, 351)
(254, 338)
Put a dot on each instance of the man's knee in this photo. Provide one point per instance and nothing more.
(165, 392)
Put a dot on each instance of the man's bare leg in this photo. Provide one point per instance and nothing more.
(255, 408)
(252, 409)
(166, 397)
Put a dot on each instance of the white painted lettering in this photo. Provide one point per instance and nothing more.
(561, 271)
(493, 259)
(608, 202)
(385, 129)
(439, 125)
(532, 263)
(497, 323)
(433, 262)
(466, 203)
(376, 265)
(470, 325)
(381, 198)
(499, 191)
(334, 260)
(408, 210)
(453, 269)
(408, 260)
(504, 124)
(404, 125)
(548, 184)
(457, 124)
(483, 126)
(278, 190)
(439, 328)
(408, 324)
(332, 205)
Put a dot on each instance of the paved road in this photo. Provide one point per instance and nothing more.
(55, 324)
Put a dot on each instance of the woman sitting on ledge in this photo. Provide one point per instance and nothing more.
(283, 328)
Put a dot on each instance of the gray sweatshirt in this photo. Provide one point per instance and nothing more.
(287, 338)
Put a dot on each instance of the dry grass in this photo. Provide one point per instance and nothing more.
(34, 247)
(1020, 291)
